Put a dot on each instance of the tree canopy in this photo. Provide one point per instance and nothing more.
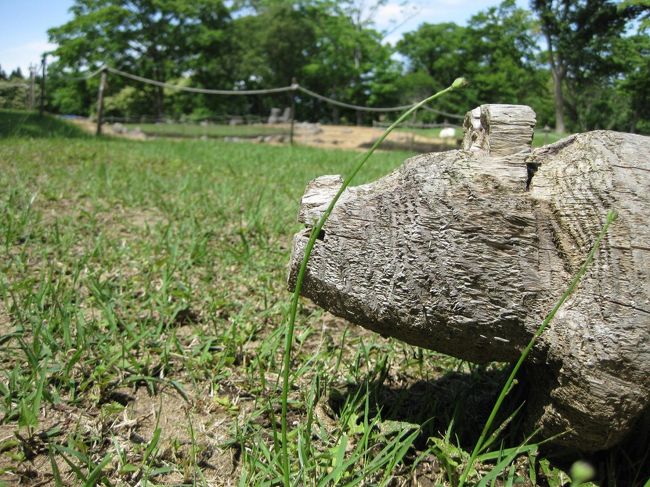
(580, 64)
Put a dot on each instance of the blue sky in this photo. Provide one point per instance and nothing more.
(23, 30)
(24, 23)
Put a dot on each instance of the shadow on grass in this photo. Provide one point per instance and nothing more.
(465, 400)
(14, 123)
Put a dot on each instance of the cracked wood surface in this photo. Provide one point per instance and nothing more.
(451, 252)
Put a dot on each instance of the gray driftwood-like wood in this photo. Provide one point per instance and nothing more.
(499, 130)
(463, 253)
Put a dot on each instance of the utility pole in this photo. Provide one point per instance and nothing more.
(294, 87)
(100, 102)
(32, 80)
(43, 66)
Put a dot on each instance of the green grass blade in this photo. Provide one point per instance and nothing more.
(56, 474)
(458, 83)
(94, 476)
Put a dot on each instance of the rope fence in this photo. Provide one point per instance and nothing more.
(204, 91)
(360, 108)
(293, 89)
(8, 86)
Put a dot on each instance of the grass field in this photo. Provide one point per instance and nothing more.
(14, 123)
(211, 130)
(142, 306)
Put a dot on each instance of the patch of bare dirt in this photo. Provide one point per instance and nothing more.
(108, 129)
(5, 321)
(361, 138)
(192, 435)
(315, 135)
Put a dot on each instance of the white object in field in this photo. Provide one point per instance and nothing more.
(448, 133)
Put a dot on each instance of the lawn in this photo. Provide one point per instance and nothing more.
(142, 310)
(15, 123)
(210, 130)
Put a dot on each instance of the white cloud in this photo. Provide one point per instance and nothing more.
(388, 15)
(23, 54)
(396, 19)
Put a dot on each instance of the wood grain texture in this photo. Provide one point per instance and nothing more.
(499, 130)
(451, 252)
(600, 340)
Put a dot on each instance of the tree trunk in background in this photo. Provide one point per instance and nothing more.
(558, 96)
(160, 102)
(557, 71)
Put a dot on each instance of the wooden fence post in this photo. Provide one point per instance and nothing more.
(43, 65)
(294, 86)
(100, 102)
(32, 80)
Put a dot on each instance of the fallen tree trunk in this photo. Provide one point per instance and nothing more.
(465, 252)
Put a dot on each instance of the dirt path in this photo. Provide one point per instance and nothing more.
(352, 137)
(317, 135)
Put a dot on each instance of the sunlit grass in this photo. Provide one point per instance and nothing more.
(142, 302)
(17, 123)
(208, 130)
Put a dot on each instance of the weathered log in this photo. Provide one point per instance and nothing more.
(466, 251)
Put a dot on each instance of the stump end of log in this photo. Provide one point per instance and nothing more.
(499, 130)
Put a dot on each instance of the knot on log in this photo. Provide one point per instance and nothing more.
(499, 130)
(318, 195)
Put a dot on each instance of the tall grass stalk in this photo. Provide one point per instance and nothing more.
(611, 217)
(458, 83)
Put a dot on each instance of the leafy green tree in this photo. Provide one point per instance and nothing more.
(436, 54)
(67, 91)
(639, 9)
(328, 46)
(351, 63)
(16, 74)
(580, 37)
(14, 91)
(496, 52)
(440, 50)
(504, 50)
(153, 38)
(633, 89)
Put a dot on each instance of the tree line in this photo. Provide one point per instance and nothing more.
(16, 90)
(581, 64)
